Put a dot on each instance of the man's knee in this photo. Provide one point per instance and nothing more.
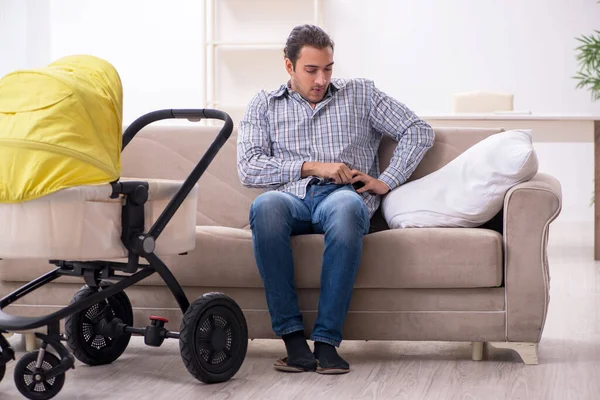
(270, 204)
(349, 209)
(350, 204)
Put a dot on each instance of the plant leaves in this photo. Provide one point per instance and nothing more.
(588, 57)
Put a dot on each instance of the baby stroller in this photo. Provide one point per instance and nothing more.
(62, 199)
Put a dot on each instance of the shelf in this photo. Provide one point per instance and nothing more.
(243, 49)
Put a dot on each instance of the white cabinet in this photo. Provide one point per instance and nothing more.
(243, 48)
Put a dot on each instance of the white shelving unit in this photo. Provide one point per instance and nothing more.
(240, 54)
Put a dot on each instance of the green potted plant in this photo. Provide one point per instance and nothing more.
(588, 56)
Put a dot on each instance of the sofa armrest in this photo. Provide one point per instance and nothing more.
(529, 208)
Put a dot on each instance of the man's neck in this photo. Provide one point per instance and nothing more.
(312, 105)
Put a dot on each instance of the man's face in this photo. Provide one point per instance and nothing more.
(312, 74)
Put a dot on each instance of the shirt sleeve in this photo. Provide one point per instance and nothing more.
(255, 163)
(414, 136)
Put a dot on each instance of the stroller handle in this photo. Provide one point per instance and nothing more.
(191, 115)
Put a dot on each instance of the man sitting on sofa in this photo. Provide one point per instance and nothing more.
(314, 142)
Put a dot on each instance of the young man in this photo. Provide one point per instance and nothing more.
(313, 142)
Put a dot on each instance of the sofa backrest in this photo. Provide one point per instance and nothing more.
(449, 144)
(170, 152)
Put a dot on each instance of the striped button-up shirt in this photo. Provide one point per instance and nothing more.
(280, 131)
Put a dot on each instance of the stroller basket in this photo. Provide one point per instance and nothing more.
(101, 312)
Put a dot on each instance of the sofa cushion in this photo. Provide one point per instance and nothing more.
(407, 258)
(399, 258)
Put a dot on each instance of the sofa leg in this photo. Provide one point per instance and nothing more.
(31, 342)
(527, 351)
(477, 351)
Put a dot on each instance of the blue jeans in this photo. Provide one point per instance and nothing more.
(338, 212)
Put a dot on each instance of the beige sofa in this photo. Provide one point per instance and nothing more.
(478, 285)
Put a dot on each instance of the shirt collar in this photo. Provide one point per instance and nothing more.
(334, 86)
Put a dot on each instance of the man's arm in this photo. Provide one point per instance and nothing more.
(256, 165)
(414, 136)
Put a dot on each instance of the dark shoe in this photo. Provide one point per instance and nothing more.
(299, 357)
(328, 360)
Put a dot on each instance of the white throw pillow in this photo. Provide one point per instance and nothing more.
(469, 190)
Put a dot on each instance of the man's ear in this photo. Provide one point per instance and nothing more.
(289, 67)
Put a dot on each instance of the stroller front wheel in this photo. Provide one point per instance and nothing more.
(214, 338)
(83, 329)
(31, 381)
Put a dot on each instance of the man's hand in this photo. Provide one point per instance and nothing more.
(336, 172)
(371, 184)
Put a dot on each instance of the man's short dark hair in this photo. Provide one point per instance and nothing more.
(305, 35)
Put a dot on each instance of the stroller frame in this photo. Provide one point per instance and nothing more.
(139, 244)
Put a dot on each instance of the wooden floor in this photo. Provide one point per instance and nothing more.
(569, 357)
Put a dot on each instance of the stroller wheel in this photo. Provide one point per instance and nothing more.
(32, 383)
(83, 329)
(213, 338)
(2, 372)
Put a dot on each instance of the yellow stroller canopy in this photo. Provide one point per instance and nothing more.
(60, 126)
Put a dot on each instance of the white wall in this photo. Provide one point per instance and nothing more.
(155, 46)
(38, 33)
(13, 28)
(423, 51)
(24, 34)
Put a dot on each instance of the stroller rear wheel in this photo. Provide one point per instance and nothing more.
(214, 338)
(32, 382)
(2, 372)
(83, 329)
